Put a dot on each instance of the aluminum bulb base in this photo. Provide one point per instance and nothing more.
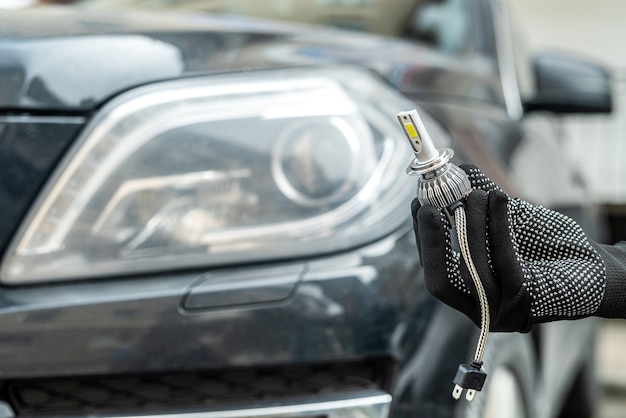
(443, 187)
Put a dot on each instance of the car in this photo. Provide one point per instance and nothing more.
(205, 212)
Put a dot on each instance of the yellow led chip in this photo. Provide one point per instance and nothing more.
(410, 130)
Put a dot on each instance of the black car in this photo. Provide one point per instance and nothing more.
(207, 215)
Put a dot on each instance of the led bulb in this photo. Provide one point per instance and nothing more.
(440, 182)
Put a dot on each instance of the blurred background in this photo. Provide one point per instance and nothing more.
(595, 142)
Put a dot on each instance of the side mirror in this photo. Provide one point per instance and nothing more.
(566, 84)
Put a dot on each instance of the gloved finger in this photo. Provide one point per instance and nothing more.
(476, 207)
(506, 262)
(478, 180)
(442, 274)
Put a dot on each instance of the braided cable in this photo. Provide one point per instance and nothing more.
(461, 229)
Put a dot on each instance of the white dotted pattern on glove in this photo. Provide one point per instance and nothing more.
(481, 182)
(563, 273)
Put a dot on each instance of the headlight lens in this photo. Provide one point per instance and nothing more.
(222, 169)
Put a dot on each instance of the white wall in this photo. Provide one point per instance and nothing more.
(595, 27)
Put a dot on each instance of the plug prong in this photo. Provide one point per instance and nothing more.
(457, 391)
(470, 394)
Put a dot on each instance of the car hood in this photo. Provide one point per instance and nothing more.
(69, 59)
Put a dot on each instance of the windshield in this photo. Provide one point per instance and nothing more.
(451, 26)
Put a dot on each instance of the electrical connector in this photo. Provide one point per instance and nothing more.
(470, 377)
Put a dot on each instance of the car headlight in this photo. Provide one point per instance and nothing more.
(222, 169)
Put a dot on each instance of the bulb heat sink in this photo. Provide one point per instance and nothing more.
(443, 189)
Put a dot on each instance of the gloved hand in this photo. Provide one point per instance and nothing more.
(536, 265)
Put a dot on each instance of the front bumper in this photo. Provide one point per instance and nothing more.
(371, 404)
(98, 347)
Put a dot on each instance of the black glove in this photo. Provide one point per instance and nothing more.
(536, 265)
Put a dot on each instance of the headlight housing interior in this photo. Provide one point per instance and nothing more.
(223, 169)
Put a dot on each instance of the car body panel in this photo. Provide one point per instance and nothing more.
(103, 55)
(111, 326)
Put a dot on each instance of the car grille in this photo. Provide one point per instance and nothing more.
(190, 390)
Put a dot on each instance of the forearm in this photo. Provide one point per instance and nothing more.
(614, 301)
